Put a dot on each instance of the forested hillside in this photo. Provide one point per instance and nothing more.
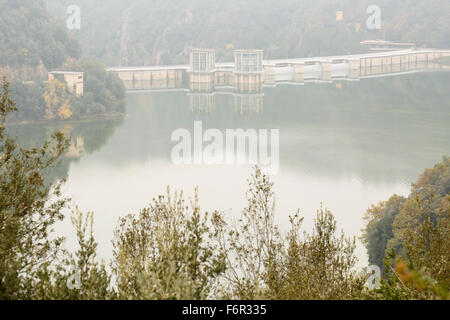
(138, 32)
(104, 95)
(33, 42)
(30, 36)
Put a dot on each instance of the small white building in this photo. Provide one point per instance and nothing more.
(74, 80)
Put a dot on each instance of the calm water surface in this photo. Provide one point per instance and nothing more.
(346, 144)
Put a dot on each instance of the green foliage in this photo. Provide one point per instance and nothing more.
(142, 32)
(378, 229)
(424, 273)
(29, 98)
(403, 282)
(428, 247)
(104, 92)
(252, 243)
(33, 264)
(264, 263)
(432, 187)
(389, 223)
(28, 207)
(420, 269)
(30, 36)
(56, 98)
(322, 265)
(33, 42)
(75, 277)
(167, 252)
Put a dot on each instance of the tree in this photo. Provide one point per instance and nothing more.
(428, 246)
(38, 37)
(389, 223)
(166, 252)
(423, 271)
(427, 198)
(104, 92)
(416, 262)
(378, 229)
(252, 243)
(57, 100)
(264, 263)
(28, 207)
(78, 276)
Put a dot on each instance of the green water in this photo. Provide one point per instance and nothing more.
(345, 144)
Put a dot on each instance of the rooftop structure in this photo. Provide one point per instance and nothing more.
(202, 60)
(248, 61)
(387, 45)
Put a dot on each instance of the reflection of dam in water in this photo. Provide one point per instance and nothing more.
(76, 148)
(242, 103)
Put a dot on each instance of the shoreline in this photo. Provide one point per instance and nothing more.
(105, 116)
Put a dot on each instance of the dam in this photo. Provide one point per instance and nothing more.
(249, 72)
